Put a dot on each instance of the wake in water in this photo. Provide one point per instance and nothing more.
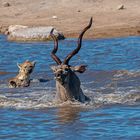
(115, 87)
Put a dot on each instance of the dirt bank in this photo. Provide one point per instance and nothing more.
(70, 16)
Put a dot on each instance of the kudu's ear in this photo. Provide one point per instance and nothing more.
(80, 69)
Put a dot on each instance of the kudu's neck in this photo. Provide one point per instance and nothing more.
(72, 79)
(70, 89)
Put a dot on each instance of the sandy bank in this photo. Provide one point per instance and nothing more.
(70, 16)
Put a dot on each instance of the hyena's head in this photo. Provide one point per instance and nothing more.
(26, 67)
(23, 78)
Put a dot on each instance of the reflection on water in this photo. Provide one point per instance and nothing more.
(118, 122)
(111, 81)
(68, 114)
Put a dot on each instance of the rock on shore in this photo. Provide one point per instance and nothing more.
(25, 33)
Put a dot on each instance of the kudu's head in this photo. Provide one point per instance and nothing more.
(63, 70)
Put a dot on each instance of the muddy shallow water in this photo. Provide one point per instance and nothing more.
(111, 81)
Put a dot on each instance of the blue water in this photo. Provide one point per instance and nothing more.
(112, 81)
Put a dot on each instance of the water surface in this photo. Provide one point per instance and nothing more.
(111, 81)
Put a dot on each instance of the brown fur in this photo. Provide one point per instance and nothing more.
(23, 77)
(68, 83)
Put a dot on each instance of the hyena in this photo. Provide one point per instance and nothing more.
(23, 77)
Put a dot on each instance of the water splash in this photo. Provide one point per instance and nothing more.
(120, 89)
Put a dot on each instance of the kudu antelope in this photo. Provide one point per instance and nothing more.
(23, 77)
(67, 82)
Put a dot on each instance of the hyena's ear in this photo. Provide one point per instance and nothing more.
(19, 65)
(80, 69)
(33, 63)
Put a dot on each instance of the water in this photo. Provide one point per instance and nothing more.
(111, 81)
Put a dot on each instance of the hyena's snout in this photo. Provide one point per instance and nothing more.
(12, 84)
(30, 70)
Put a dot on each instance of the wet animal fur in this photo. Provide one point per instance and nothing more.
(23, 77)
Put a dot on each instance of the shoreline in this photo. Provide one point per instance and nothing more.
(70, 16)
(98, 33)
